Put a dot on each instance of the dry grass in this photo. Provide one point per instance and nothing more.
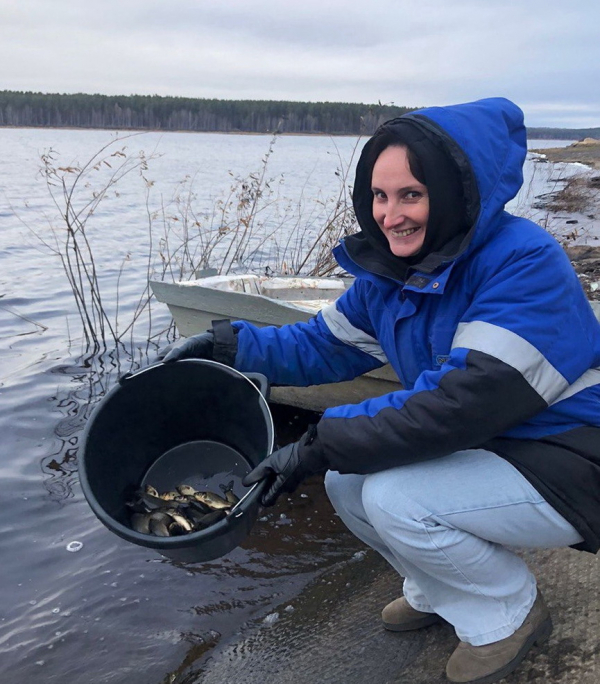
(252, 228)
(579, 195)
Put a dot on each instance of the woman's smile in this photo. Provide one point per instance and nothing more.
(396, 232)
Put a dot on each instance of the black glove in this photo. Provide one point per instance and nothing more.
(218, 344)
(194, 347)
(288, 466)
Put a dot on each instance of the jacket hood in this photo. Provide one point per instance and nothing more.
(483, 144)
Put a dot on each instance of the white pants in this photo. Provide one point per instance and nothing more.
(444, 524)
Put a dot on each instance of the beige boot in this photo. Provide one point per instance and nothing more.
(492, 662)
(400, 616)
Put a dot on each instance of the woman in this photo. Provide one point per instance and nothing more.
(495, 439)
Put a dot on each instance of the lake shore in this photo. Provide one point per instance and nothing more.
(584, 152)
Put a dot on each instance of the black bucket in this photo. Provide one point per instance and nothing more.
(195, 422)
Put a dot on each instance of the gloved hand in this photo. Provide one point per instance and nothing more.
(288, 466)
(217, 344)
(194, 347)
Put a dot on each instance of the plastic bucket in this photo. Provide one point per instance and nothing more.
(191, 422)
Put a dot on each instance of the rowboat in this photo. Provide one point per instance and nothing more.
(264, 300)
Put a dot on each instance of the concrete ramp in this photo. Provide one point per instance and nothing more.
(334, 635)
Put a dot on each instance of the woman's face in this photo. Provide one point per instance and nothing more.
(400, 202)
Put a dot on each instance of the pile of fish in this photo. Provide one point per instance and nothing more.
(179, 512)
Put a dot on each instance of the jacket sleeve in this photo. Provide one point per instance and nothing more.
(337, 344)
(511, 357)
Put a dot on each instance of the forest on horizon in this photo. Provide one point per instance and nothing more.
(156, 112)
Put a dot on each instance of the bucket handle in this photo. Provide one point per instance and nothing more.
(122, 379)
(234, 512)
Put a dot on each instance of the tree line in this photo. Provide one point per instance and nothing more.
(155, 112)
(562, 133)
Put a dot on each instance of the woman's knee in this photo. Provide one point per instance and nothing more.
(344, 491)
(387, 503)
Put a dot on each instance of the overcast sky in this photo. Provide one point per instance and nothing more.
(543, 54)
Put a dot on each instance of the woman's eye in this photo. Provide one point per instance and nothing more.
(379, 194)
(413, 195)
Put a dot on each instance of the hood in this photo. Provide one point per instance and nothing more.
(485, 145)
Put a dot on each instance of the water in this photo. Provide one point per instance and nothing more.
(76, 601)
(112, 611)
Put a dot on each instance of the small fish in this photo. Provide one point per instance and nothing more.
(159, 524)
(152, 502)
(180, 520)
(212, 500)
(140, 522)
(196, 505)
(197, 516)
(169, 496)
(230, 495)
(178, 512)
(208, 519)
(175, 529)
(186, 490)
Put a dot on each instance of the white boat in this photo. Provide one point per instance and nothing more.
(194, 304)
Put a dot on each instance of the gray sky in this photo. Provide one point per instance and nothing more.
(543, 54)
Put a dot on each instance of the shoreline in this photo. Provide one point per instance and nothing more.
(132, 131)
(585, 152)
(267, 133)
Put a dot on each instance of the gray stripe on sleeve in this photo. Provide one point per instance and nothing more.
(590, 378)
(516, 352)
(341, 327)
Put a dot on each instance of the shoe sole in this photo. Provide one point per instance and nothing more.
(419, 623)
(537, 638)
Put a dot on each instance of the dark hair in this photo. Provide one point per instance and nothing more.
(384, 138)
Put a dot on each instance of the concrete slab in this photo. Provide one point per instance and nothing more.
(334, 635)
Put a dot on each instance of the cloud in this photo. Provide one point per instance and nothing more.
(410, 52)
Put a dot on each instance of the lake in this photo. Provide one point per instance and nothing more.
(114, 612)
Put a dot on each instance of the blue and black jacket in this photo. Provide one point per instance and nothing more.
(495, 343)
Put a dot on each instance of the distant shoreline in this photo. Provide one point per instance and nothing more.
(584, 152)
(126, 131)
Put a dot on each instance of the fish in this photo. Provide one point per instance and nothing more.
(140, 522)
(158, 523)
(186, 490)
(230, 495)
(196, 505)
(152, 502)
(180, 520)
(202, 521)
(169, 496)
(212, 500)
(183, 510)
